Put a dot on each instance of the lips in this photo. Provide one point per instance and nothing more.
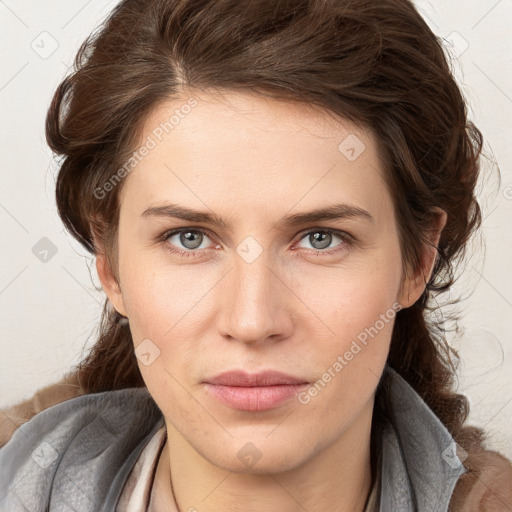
(254, 392)
(264, 378)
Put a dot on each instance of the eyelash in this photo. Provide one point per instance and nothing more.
(346, 240)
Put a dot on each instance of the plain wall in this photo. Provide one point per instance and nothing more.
(50, 310)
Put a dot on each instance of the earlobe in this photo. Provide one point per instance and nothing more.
(110, 284)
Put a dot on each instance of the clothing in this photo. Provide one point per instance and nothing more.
(78, 455)
(137, 492)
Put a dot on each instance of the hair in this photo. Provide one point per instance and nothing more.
(376, 64)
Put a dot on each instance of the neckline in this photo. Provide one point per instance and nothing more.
(150, 504)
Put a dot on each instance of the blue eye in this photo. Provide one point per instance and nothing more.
(192, 240)
(324, 239)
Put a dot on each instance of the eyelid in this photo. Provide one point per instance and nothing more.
(338, 232)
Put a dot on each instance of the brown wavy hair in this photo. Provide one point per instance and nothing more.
(377, 64)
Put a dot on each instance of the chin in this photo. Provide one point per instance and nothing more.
(257, 457)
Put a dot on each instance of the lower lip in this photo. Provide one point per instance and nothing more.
(257, 398)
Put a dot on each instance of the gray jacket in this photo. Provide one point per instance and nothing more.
(77, 455)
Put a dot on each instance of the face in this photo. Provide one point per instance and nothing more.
(258, 287)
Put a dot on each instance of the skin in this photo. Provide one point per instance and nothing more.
(253, 160)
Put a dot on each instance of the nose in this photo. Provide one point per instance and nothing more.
(254, 306)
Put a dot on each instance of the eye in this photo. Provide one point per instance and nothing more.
(190, 239)
(321, 239)
(194, 241)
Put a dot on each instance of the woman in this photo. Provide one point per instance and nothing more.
(273, 191)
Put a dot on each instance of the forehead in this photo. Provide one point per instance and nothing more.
(235, 149)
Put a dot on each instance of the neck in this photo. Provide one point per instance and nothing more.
(337, 478)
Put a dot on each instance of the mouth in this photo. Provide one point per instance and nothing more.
(254, 392)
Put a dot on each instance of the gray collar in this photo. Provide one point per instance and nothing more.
(420, 466)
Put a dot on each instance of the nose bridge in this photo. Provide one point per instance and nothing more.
(254, 308)
(252, 279)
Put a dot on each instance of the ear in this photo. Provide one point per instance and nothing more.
(109, 282)
(414, 285)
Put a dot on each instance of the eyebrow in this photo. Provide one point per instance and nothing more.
(337, 211)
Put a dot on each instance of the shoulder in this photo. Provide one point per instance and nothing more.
(72, 452)
(487, 490)
(14, 416)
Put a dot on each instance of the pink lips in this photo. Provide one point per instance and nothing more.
(254, 392)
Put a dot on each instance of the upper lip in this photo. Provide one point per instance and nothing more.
(263, 378)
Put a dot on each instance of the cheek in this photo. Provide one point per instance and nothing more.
(350, 362)
(160, 299)
(357, 313)
(363, 325)
(347, 300)
(163, 307)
